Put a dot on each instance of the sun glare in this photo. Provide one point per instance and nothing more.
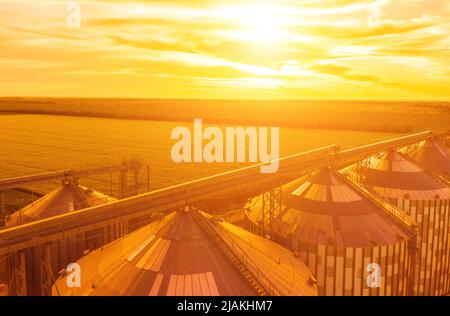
(259, 24)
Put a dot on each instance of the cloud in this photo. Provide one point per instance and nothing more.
(343, 72)
(281, 46)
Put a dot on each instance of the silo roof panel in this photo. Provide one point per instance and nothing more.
(67, 198)
(274, 261)
(299, 191)
(402, 174)
(434, 156)
(346, 217)
(404, 166)
(317, 192)
(343, 193)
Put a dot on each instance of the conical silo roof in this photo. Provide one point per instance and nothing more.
(176, 256)
(325, 209)
(393, 176)
(434, 156)
(70, 196)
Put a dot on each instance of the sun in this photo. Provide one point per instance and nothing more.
(263, 24)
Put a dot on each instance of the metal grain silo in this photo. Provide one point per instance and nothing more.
(186, 253)
(434, 157)
(341, 235)
(426, 200)
(69, 197)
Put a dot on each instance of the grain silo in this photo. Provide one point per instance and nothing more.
(341, 235)
(186, 253)
(69, 197)
(425, 199)
(433, 156)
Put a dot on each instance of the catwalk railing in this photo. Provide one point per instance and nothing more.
(394, 212)
(11, 183)
(246, 260)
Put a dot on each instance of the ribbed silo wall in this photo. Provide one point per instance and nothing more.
(432, 276)
(342, 271)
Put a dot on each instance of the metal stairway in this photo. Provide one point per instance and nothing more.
(224, 248)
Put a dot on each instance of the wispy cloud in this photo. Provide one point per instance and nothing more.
(201, 48)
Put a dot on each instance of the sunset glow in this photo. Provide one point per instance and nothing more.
(388, 49)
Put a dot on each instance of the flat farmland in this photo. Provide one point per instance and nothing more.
(31, 143)
(374, 116)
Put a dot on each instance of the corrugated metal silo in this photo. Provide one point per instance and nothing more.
(339, 233)
(433, 156)
(68, 198)
(186, 254)
(425, 199)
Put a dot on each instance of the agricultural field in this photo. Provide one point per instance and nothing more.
(39, 135)
(32, 143)
(377, 116)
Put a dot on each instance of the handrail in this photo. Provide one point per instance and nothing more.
(10, 183)
(380, 202)
(438, 177)
(246, 260)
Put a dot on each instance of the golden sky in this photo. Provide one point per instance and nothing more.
(228, 49)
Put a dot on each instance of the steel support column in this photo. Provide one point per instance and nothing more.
(136, 181)
(148, 178)
(362, 164)
(17, 274)
(122, 182)
(270, 209)
(130, 168)
(411, 150)
(2, 205)
(46, 270)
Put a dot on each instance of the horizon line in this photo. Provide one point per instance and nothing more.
(229, 100)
